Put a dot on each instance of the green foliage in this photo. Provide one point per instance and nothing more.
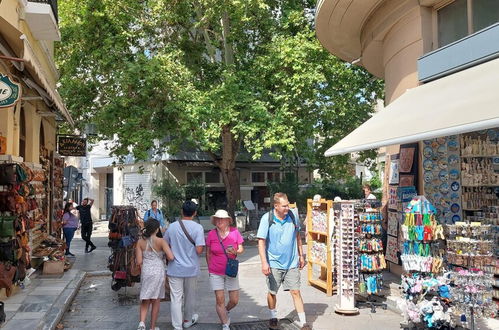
(289, 185)
(161, 74)
(173, 195)
(350, 188)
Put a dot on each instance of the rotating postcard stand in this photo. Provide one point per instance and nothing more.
(345, 255)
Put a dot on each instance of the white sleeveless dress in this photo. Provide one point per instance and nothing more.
(152, 278)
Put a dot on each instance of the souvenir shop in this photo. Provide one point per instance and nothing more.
(442, 239)
(31, 182)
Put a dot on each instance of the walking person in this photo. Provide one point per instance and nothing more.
(156, 213)
(150, 253)
(222, 243)
(368, 192)
(186, 239)
(69, 226)
(281, 255)
(86, 223)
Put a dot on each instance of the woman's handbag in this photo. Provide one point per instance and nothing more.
(7, 226)
(7, 272)
(7, 174)
(232, 264)
(120, 275)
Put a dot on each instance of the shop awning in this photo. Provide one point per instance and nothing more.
(12, 36)
(35, 69)
(463, 102)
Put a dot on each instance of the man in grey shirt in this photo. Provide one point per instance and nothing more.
(187, 243)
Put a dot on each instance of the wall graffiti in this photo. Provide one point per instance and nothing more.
(134, 195)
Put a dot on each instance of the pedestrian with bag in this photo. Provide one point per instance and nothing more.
(69, 226)
(150, 252)
(281, 255)
(223, 244)
(86, 223)
(156, 213)
(186, 239)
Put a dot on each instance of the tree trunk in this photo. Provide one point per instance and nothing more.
(230, 149)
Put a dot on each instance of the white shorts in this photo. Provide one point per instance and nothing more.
(224, 282)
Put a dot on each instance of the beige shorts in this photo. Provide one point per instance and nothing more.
(224, 282)
(289, 278)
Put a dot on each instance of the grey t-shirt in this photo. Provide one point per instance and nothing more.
(186, 261)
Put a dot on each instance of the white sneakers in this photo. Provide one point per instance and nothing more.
(225, 327)
(194, 320)
(142, 326)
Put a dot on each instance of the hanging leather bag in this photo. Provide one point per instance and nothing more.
(7, 174)
(7, 273)
(7, 226)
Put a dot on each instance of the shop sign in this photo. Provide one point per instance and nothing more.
(10, 91)
(72, 145)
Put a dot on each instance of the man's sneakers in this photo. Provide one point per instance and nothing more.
(273, 324)
(92, 248)
(194, 320)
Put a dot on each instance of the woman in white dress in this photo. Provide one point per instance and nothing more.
(150, 254)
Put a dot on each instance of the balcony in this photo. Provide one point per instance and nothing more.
(41, 16)
(469, 51)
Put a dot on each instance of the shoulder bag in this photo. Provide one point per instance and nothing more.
(186, 232)
(232, 264)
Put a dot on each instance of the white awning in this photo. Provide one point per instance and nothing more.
(463, 102)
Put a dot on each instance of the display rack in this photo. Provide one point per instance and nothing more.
(347, 270)
(320, 226)
(370, 255)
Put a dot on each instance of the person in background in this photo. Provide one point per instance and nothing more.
(367, 192)
(186, 239)
(69, 226)
(281, 255)
(223, 242)
(86, 223)
(156, 213)
(150, 252)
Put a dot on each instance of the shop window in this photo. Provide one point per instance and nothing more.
(194, 176)
(212, 177)
(464, 17)
(273, 177)
(22, 135)
(258, 177)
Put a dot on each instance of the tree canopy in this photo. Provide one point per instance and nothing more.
(215, 74)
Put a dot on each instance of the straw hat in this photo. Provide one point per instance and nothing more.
(220, 214)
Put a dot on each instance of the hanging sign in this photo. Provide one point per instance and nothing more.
(10, 91)
(72, 145)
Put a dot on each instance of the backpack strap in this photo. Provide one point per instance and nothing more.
(290, 213)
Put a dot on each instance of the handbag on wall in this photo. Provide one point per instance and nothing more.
(7, 273)
(7, 174)
(7, 226)
(232, 264)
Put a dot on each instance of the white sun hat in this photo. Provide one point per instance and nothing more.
(221, 214)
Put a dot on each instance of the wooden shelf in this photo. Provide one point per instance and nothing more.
(479, 156)
(317, 232)
(318, 282)
(322, 264)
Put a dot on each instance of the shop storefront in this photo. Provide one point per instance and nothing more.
(31, 172)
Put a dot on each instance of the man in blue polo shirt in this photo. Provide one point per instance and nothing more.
(280, 250)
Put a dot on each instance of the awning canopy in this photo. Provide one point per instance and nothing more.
(12, 36)
(463, 102)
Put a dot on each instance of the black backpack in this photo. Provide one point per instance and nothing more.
(290, 213)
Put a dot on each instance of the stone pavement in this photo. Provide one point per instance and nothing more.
(82, 298)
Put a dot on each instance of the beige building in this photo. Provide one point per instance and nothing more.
(27, 34)
(439, 61)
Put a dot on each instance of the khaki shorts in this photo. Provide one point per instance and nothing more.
(289, 278)
(224, 282)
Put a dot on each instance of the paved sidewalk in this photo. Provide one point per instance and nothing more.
(95, 305)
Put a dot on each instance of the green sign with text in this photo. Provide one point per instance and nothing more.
(10, 92)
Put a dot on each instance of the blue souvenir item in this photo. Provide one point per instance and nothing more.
(428, 165)
(456, 218)
(455, 208)
(455, 186)
(454, 174)
(428, 152)
(443, 175)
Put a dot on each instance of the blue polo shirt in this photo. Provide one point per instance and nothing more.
(282, 252)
